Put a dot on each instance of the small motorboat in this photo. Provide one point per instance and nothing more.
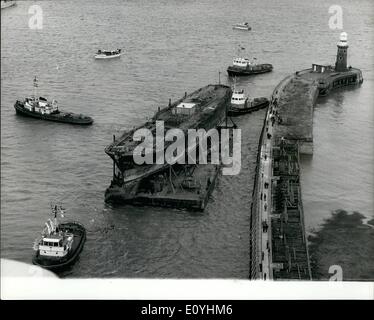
(242, 26)
(7, 4)
(41, 108)
(240, 104)
(102, 54)
(60, 243)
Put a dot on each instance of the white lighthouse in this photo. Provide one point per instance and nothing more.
(341, 57)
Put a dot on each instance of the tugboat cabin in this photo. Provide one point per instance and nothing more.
(41, 105)
(56, 245)
(239, 100)
(238, 97)
(241, 62)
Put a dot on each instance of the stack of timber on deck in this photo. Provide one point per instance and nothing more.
(290, 259)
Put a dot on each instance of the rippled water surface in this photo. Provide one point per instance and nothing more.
(170, 47)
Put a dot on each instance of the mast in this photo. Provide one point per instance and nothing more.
(114, 164)
(226, 114)
(35, 88)
(48, 228)
(55, 220)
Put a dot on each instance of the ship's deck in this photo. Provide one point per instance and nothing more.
(207, 99)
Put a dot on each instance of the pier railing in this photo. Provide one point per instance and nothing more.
(254, 267)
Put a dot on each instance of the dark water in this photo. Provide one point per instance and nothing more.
(170, 47)
(344, 241)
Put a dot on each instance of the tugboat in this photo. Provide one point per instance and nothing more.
(60, 243)
(242, 26)
(102, 54)
(244, 67)
(240, 104)
(41, 108)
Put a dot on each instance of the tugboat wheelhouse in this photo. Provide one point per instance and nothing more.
(59, 244)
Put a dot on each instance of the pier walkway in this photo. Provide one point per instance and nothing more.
(282, 251)
(265, 196)
(279, 249)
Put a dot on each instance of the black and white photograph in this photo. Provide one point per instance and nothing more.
(187, 141)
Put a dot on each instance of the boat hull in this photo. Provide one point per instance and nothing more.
(153, 191)
(101, 57)
(257, 69)
(58, 264)
(242, 28)
(64, 117)
(258, 103)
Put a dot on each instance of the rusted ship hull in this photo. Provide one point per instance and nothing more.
(184, 186)
(188, 187)
(214, 98)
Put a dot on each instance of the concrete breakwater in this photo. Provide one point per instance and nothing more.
(278, 246)
(293, 106)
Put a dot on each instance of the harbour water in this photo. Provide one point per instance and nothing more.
(169, 47)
